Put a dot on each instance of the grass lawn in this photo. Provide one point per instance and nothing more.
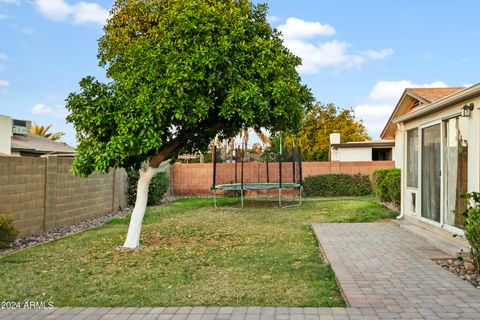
(194, 255)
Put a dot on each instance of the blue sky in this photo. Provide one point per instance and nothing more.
(357, 54)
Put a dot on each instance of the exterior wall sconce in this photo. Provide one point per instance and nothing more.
(467, 110)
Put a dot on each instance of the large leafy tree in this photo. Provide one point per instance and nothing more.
(317, 125)
(182, 72)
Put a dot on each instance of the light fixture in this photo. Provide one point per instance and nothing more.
(467, 110)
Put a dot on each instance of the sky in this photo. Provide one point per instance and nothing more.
(356, 54)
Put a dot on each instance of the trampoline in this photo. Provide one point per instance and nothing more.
(234, 172)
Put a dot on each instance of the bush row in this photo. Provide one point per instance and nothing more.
(330, 185)
(156, 190)
(8, 231)
(386, 183)
(472, 226)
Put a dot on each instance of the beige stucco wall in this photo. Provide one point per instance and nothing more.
(5, 134)
(473, 128)
(353, 154)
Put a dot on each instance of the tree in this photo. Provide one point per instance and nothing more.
(319, 122)
(182, 72)
(42, 131)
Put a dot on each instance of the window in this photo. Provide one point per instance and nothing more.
(382, 154)
(412, 158)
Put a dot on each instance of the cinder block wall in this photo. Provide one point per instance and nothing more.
(194, 179)
(42, 194)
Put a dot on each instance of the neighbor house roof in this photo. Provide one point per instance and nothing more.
(39, 145)
(415, 98)
(365, 144)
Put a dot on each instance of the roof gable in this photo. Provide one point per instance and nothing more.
(412, 98)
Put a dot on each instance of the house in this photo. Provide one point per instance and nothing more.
(16, 140)
(361, 151)
(437, 139)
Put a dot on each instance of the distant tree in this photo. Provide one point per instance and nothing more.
(43, 132)
(319, 122)
(182, 72)
(257, 148)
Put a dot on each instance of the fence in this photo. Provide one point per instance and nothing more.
(193, 179)
(42, 194)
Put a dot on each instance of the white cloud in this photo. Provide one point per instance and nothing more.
(390, 91)
(378, 54)
(3, 56)
(82, 12)
(4, 85)
(3, 16)
(382, 100)
(300, 37)
(323, 55)
(295, 28)
(42, 109)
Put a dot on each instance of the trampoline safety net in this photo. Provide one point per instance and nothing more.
(239, 170)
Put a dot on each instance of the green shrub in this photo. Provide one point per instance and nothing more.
(386, 183)
(8, 231)
(156, 190)
(331, 185)
(472, 226)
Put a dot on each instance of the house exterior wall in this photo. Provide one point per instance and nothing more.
(5, 134)
(353, 154)
(472, 125)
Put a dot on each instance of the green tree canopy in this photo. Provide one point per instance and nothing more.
(181, 73)
(317, 125)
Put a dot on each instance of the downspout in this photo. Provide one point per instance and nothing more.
(401, 132)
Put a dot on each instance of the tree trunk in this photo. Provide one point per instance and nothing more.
(133, 235)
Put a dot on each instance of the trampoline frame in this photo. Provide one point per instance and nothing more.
(242, 186)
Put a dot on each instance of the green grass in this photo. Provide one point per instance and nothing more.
(193, 255)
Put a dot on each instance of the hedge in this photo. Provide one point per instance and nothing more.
(156, 190)
(331, 185)
(472, 226)
(386, 183)
(8, 231)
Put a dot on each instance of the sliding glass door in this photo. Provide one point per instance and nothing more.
(431, 172)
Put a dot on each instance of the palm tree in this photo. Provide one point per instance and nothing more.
(42, 131)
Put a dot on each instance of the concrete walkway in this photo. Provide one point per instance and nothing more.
(384, 272)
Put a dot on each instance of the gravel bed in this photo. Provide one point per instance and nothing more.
(464, 270)
(32, 240)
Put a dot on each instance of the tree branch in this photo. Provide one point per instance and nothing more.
(168, 150)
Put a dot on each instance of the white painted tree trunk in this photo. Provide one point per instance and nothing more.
(133, 235)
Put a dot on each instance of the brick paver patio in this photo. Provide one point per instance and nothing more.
(384, 272)
(389, 270)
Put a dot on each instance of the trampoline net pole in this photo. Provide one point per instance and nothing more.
(214, 159)
(236, 161)
(242, 154)
(280, 168)
(293, 166)
(299, 152)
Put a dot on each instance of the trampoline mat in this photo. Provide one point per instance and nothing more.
(255, 186)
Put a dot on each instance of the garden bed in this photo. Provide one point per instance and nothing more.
(464, 270)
